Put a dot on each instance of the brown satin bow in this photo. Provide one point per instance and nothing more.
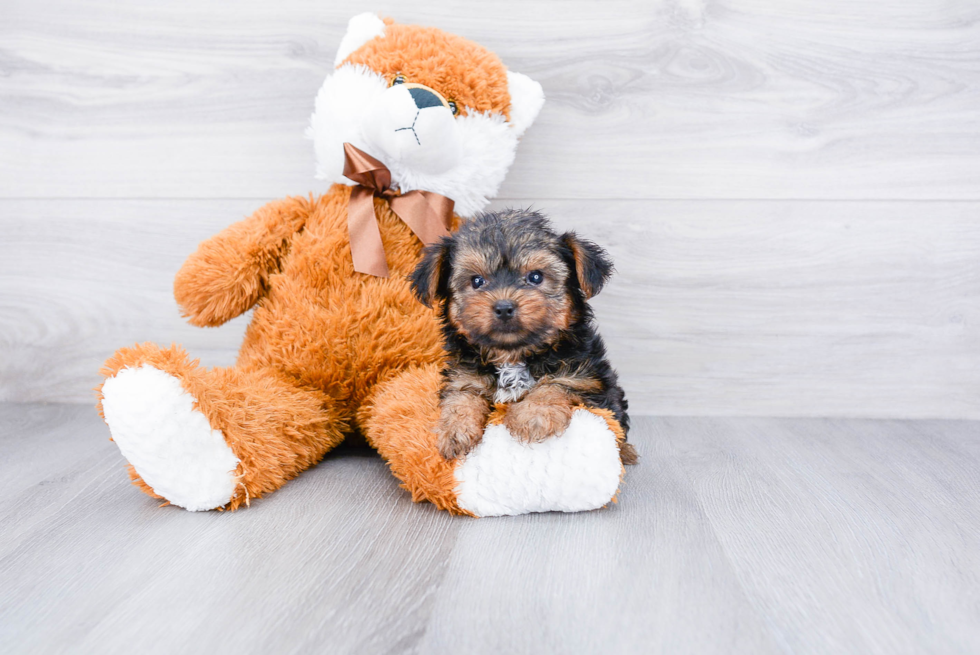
(428, 214)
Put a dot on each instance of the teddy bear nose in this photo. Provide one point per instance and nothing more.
(424, 98)
(504, 309)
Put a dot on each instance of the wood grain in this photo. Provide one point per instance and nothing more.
(311, 565)
(97, 277)
(882, 516)
(723, 308)
(131, 131)
(791, 308)
(790, 192)
(36, 446)
(731, 536)
(662, 99)
(645, 576)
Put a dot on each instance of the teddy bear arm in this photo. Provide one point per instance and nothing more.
(228, 273)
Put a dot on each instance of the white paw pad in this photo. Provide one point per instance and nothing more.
(576, 471)
(171, 444)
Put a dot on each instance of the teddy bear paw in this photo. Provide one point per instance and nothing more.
(168, 441)
(577, 470)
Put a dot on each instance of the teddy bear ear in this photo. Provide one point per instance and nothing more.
(361, 29)
(526, 99)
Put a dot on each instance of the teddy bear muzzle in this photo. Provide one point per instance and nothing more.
(413, 125)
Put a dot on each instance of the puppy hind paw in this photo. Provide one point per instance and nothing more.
(628, 454)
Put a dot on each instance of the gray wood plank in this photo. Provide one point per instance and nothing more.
(339, 559)
(644, 576)
(659, 99)
(739, 308)
(731, 535)
(847, 536)
(94, 278)
(36, 447)
(718, 307)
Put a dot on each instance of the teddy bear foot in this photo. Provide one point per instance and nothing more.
(170, 443)
(576, 471)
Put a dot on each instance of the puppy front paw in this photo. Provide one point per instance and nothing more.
(462, 420)
(455, 442)
(532, 422)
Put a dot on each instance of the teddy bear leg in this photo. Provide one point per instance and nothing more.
(578, 470)
(398, 421)
(206, 439)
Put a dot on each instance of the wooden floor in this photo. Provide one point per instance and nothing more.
(731, 536)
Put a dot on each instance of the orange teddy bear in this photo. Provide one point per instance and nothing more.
(425, 121)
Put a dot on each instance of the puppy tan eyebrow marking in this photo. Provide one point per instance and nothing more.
(541, 260)
(472, 262)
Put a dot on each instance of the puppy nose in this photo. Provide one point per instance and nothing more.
(424, 98)
(504, 309)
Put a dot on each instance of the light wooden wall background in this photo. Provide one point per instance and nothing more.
(790, 188)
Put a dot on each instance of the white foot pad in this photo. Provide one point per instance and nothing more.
(579, 470)
(171, 445)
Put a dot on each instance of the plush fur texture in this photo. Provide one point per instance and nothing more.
(177, 450)
(504, 477)
(321, 337)
(328, 351)
(398, 421)
(461, 70)
(507, 477)
(510, 291)
(361, 29)
(465, 158)
(275, 428)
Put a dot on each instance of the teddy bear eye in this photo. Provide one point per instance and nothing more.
(535, 277)
(477, 281)
(398, 79)
(453, 108)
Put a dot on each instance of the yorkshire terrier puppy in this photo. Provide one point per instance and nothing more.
(512, 298)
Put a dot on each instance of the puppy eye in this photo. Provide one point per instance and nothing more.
(477, 281)
(398, 79)
(535, 277)
(453, 108)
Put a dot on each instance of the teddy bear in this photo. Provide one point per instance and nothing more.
(415, 130)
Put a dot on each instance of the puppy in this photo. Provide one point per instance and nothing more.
(512, 298)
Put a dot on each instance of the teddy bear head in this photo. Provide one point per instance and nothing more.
(441, 112)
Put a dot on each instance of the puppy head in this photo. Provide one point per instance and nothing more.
(441, 112)
(507, 282)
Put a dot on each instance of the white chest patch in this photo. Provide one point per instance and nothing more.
(513, 381)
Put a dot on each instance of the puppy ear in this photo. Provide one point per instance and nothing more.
(592, 265)
(430, 279)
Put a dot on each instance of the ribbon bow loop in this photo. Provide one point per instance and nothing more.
(427, 214)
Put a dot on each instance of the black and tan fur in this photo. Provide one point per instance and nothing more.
(512, 318)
